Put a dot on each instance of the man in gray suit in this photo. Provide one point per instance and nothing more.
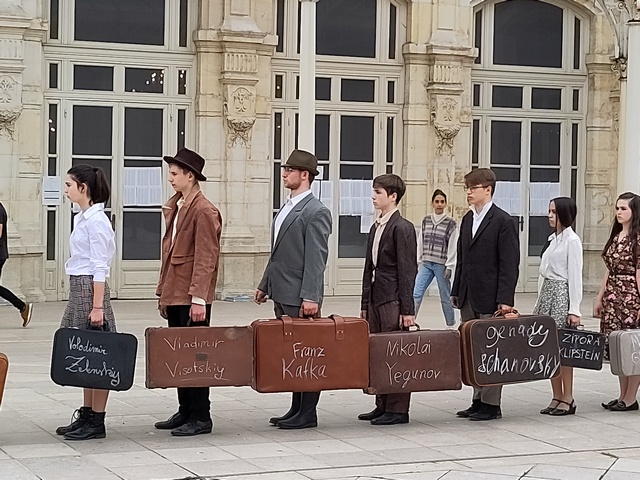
(294, 276)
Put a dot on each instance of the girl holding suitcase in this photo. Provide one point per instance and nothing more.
(92, 246)
(560, 292)
(618, 302)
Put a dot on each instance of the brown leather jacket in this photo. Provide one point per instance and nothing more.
(190, 262)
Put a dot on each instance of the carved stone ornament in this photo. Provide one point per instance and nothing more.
(8, 90)
(240, 113)
(445, 113)
(8, 122)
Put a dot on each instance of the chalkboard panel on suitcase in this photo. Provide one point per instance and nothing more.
(93, 359)
(416, 361)
(581, 348)
(499, 351)
(4, 368)
(309, 355)
(199, 357)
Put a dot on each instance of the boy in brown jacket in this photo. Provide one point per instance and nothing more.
(187, 285)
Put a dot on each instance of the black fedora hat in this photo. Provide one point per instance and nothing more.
(303, 160)
(188, 159)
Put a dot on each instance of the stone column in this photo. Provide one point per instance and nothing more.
(21, 125)
(437, 115)
(233, 118)
(629, 168)
(307, 101)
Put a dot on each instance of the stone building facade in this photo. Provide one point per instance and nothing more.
(422, 88)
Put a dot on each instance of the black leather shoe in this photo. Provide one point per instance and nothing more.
(623, 407)
(391, 419)
(80, 416)
(193, 427)
(307, 416)
(608, 405)
(92, 428)
(475, 406)
(296, 399)
(487, 412)
(174, 421)
(372, 415)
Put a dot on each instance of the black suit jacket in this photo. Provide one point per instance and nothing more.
(487, 264)
(396, 269)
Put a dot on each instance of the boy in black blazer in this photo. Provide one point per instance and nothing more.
(486, 272)
(387, 285)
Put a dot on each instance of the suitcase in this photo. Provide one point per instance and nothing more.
(500, 351)
(309, 355)
(93, 359)
(581, 348)
(624, 352)
(414, 361)
(4, 368)
(199, 357)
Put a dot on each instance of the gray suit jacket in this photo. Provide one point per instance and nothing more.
(295, 271)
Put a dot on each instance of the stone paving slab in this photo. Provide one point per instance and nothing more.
(435, 445)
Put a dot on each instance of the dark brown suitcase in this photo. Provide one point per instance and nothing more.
(199, 357)
(309, 355)
(417, 361)
(500, 351)
(4, 368)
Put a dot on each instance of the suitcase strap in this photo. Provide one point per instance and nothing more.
(287, 327)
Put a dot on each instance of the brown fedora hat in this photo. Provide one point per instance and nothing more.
(303, 160)
(190, 160)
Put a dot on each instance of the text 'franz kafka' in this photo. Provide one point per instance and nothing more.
(518, 361)
(307, 363)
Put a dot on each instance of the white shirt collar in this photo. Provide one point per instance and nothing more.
(482, 211)
(298, 198)
(96, 207)
(383, 219)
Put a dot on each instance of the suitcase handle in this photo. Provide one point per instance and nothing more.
(287, 327)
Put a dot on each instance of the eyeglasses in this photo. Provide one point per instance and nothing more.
(289, 169)
(474, 188)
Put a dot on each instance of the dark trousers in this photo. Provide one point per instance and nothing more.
(292, 311)
(386, 318)
(194, 401)
(8, 294)
(488, 395)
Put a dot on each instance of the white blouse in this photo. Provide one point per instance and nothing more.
(562, 260)
(92, 244)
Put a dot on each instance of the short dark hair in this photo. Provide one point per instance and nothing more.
(437, 192)
(481, 176)
(566, 210)
(391, 183)
(95, 180)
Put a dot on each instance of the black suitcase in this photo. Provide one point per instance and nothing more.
(581, 348)
(93, 359)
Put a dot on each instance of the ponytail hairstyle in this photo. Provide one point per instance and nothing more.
(95, 180)
(634, 233)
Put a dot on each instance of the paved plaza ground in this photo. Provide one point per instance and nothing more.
(593, 444)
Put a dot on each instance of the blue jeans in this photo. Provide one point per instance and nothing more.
(426, 272)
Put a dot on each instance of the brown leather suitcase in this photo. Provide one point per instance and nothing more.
(500, 351)
(4, 368)
(416, 361)
(309, 355)
(199, 357)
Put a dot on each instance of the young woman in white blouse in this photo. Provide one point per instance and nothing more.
(560, 292)
(92, 246)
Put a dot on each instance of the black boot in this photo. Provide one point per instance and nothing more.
(307, 416)
(80, 416)
(295, 408)
(475, 406)
(93, 428)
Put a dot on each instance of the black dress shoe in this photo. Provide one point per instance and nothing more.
(372, 415)
(475, 406)
(608, 405)
(193, 427)
(487, 412)
(623, 407)
(391, 419)
(174, 421)
(296, 400)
